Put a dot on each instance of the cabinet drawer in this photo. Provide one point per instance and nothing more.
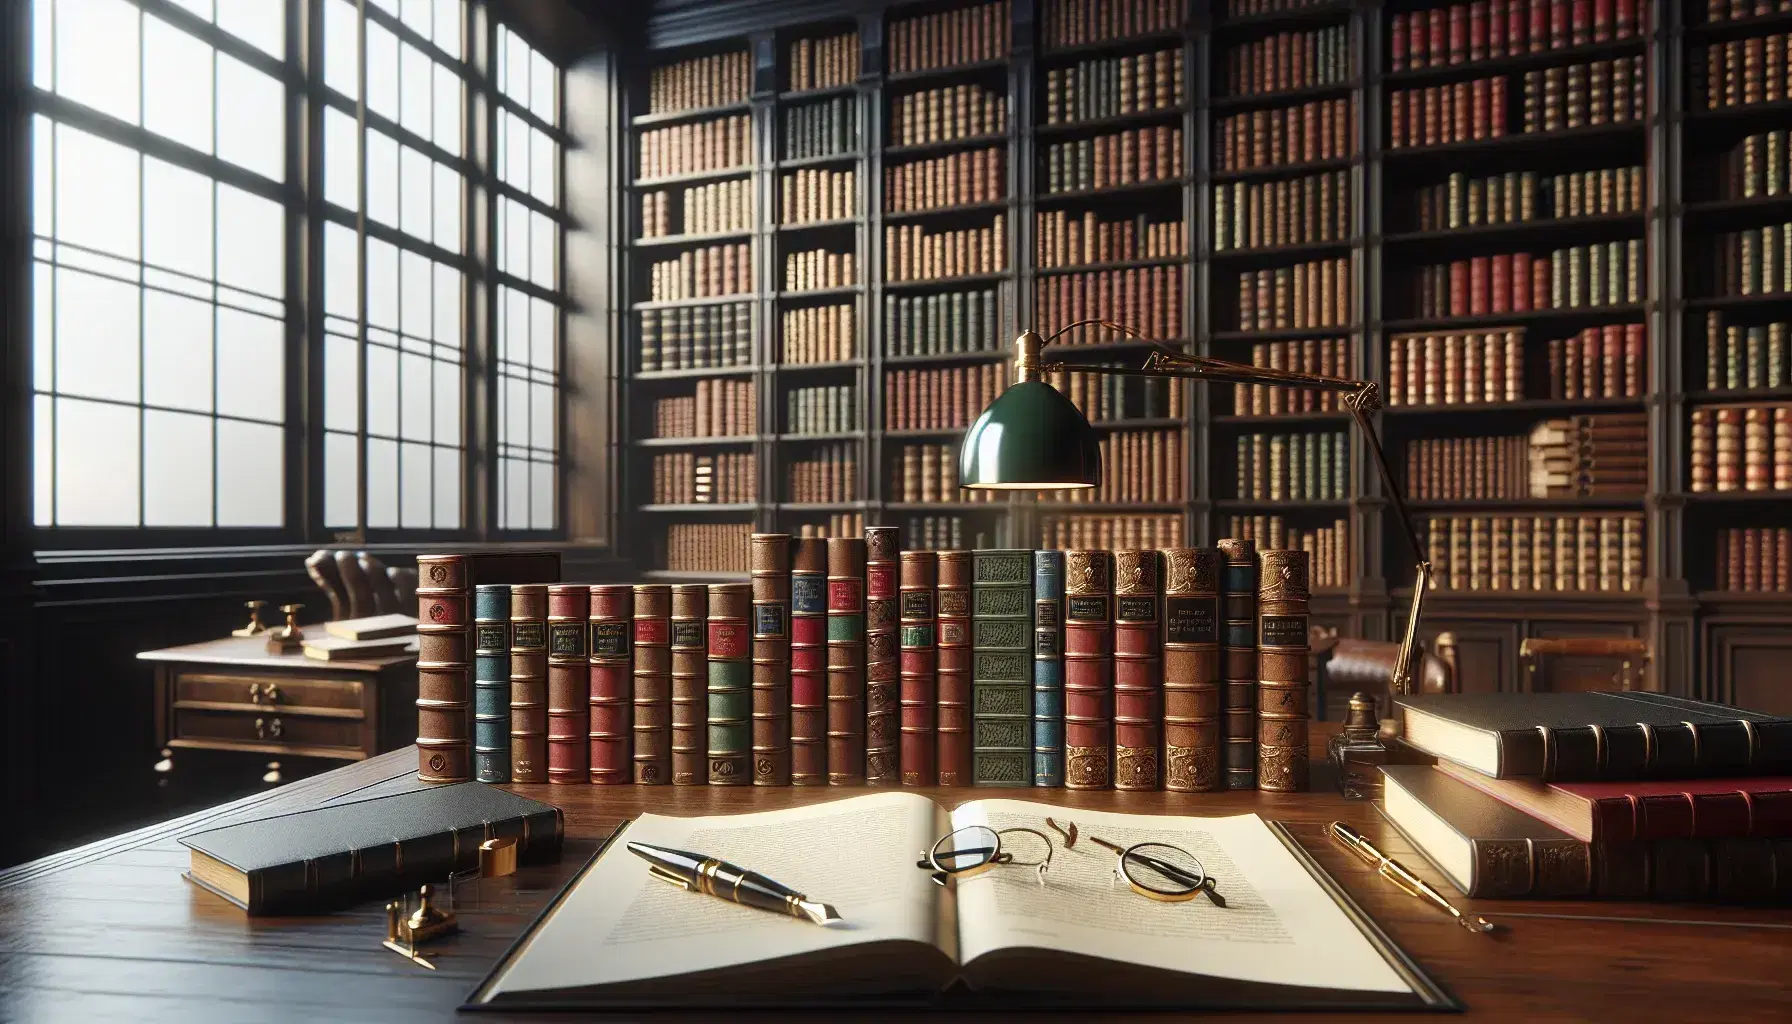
(271, 692)
(200, 726)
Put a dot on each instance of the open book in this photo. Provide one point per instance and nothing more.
(1287, 937)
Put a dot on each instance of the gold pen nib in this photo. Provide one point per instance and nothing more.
(818, 912)
(1478, 925)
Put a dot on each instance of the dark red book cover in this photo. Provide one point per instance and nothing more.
(1559, 32)
(1521, 282)
(1439, 47)
(1478, 267)
(1538, 29)
(569, 688)
(1581, 22)
(920, 663)
(1138, 670)
(1458, 15)
(1496, 114)
(1458, 305)
(612, 690)
(1540, 296)
(1634, 374)
(808, 662)
(1477, 30)
(1497, 25)
(1397, 42)
(953, 616)
(846, 660)
(1499, 299)
(1088, 670)
(1602, 20)
(1518, 18)
(1739, 808)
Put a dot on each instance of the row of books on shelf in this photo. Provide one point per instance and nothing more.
(701, 209)
(1316, 130)
(1289, 60)
(1147, 299)
(847, 660)
(1293, 467)
(819, 334)
(1105, 398)
(712, 81)
(1327, 546)
(822, 128)
(1065, 239)
(823, 63)
(1486, 367)
(1517, 197)
(703, 547)
(1131, 157)
(1574, 277)
(1754, 167)
(1723, 11)
(823, 409)
(928, 473)
(1599, 362)
(718, 408)
(967, 35)
(947, 112)
(1739, 357)
(967, 176)
(944, 531)
(1740, 72)
(1294, 211)
(1596, 455)
(1467, 468)
(1755, 559)
(720, 144)
(1597, 93)
(1754, 261)
(695, 337)
(1327, 356)
(1742, 447)
(941, 323)
(1303, 296)
(1137, 466)
(828, 473)
(913, 253)
(1434, 115)
(706, 272)
(1579, 552)
(1464, 32)
(813, 269)
(1078, 22)
(944, 398)
(811, 195)
(1067, 532)
(687, 478)
(1114, 87)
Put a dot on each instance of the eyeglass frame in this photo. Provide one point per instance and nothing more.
(998, 857)
(1206, 884)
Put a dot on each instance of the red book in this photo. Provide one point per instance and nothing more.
(1518, 16)
(953, 616)
(1439, 35)
(1397, 43)
(1500, 298)
(1477, 30)
(920, 662)
(1458, 305)
(1496, 110)
(1538, 29)
(1462, 109)
(1478, 268)
(882, 656)
(1581, 22)
(1481, 112)
(1540, 297)
(1088, 670)
(809, 662)
(1559, 32)
(1624, 18)
(1521, 282)
(1138, 670)
(1496, 28)
(1397, 135)
(1458, 14)
(1634, 374)
(612, 689)
(1625, 811)
(569, 687)
(1602, 20)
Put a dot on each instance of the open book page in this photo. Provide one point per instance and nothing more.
(1278, 926)
(619, 924)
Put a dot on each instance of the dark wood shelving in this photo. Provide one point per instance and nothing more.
(1515, 63)
(664, 241)
(1291, 18)
(1738, 28)
(1517, 140)
(1529, 316)
(1097, 124)
(947, 357)
(949, 282)
(1584, 229)
(1777, 111)
(1738, 396)
(954, 71)
(1720, 497)
(1061, 351)
(1100, 507)
(687, 373)
(916, 149)
(1729, 301)
(1282, 505)
(1526, 405)
(1285, 170)
(824, 293)
(1281, 97)
(693, 176)
(820, 225)
(684, 508)
(1087, 268)
(1279, 254)
(1494, 506)
(1154, 423)
(841, 364)
(708, 300)
(692, 114)
(993, 206)
(1286, 334)
(822, 93)
(825, 160)
(1054, 198)
(934, 507)
(923, 433)
(1765, 205)
(832, 435)
(1270, 419)
(1122, 44)
(824, 506)
(696, 442)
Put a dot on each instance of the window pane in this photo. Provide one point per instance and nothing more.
(447, 109)
(382, 178)
(448, 398)
(447, 512)
(251, 242)
(177, 354)
(415, 497)
(415, 392)
(448, 15)
(43, 461)
(97, 446)
(417, 294)
(342, 271)
(447, 302)
(342, 470)
(382, 71)
(544, 169)
(514, 226)
(514, 329)
(96, 55)
(43, 55)
(448, 208)
(417, 16)
(177, 73)
(251, 366)
(414, 88)
(342, 47)
(513, 149)
(97, 190)
(544, 91)
(342, 383)
(516, 493)
(382, 391)
(541, 495)
(541, 417)
(43, 330)
(251, 119)
(260, 23)
(96, 337)
(342, 160)
(382, 284)
(382, 484)
(414, 179)
(516, 410)
(513, 80)
(43, 174)
(543, 334)
(251, 491)
(177, 219)
(544, 259)
(177, 469)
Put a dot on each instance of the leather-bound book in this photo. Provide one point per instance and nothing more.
(1191, 670)
(883, 656)
(1138, 670)
(491, 682)
(1622, 811)
(919, 694)
(846, 660)
(690, 685)
(1002, 667)
(771, 659)
(809, 663)
(1489, 850)
(730, 684)
(652, 692)
(529, 682)
(569, 688)
(1596, 736)
(444, 670)
(954, 619)
(1238, 660)
(1048, 668)
(612, 696)
(1088, 670)
(1283, 653)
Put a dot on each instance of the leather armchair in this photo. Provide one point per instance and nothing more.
(358, 584)
(1349, 664)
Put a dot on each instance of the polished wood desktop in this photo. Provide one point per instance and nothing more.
(112, 930)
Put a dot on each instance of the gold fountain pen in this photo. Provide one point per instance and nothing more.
(1395, 872)
(695, 872)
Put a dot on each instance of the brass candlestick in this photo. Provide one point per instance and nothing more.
(256, 626)
(287, 639)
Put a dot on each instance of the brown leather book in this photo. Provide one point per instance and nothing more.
(444, 669)
(846, 660)
(611, 695)
(690, 685)
(919, 692)
(1138, 670)
(569, 687)
(954, 674)
(1088, 670)
(1191, 670)
(529, 682)
(771, 659)
(652, 685)
(882, 656)
(1238, 660)
(1283, 654)
(808, 663)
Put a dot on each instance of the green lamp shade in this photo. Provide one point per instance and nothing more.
(1030, 438)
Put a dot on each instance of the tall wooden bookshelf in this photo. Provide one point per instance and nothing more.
(1700, 623)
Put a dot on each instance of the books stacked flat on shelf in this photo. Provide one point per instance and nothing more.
(1744, 357)
(1618, 795)
(1579, 552)
(1603, 455)
(1754, 559)
(335, 648)
(373, 627)
(1463, 32)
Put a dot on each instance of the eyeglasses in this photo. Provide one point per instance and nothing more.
(1161, 872)
(974, 849)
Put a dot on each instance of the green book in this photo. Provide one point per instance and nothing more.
(1002, 668)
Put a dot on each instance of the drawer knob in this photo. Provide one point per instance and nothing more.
(268, 692)
(267, 728)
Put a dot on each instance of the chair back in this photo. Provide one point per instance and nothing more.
(1631, 655)
(358, 584)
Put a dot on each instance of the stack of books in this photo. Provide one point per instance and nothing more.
(1640, 796)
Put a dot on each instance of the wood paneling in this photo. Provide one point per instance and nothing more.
(1749, 664)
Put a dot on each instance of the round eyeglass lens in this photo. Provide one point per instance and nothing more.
(1162, 869)
(967, 848)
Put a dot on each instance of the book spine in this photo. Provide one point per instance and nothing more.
(491, 682)
(652, 693)
(883, 656)
(1283, 654)
(729, 646)
(1238, 660)
(1138, 670)
(955, 659)
(1191, 670)
(612, 697)
(690, 685)
(529, 683)
(919, 693)
(846, 660)
(1001, 667)
(569, 689)
(809, 662)
(1088, 670)
(771, 659)
(1048, 668)
(444, 670)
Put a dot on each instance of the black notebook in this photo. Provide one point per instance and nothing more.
(1597, 736)
(331, 856)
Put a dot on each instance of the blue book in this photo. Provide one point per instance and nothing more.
(491, 682)
(1048, 668)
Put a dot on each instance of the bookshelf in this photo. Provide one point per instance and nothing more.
(1374, 215)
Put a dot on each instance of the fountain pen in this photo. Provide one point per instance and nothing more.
(712, 876)
(1397, 873)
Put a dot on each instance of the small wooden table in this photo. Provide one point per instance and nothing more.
(233, 695)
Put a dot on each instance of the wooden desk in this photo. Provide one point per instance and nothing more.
(232, 695)
(111, 930)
